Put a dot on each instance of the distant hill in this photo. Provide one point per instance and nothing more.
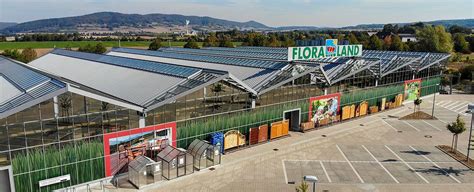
(112, 21)
(469, 23)
(106, 22)
(6, 24)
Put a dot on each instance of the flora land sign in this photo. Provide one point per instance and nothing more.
(332, 49)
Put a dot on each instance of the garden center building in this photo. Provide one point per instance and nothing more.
(74, 114)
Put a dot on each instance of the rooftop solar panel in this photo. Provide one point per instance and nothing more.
(264, 64)
(156, 67)
(26, 80)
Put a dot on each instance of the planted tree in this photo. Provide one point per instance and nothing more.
(303, 187)
(417, 103)
(456, 128)
(191, 44)
(28, 55)
(155, 45)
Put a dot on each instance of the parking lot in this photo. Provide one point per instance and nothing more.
(381, 164)
(374, 153)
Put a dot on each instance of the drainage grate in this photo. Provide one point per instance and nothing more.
(212, 168)
(428, 136)
(291, 182)
(400, 131)
(323, 135)
(276, 149)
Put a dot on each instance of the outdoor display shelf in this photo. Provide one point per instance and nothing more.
(176, 162)
(143, 171)
(205, 155)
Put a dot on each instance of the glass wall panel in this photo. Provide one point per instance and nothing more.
(50, 131)
(122, 119)
(16, 136)
(95, 125)
(3, 137)
(4, 158)
(47, 109)
(34, 134)
(78, 104)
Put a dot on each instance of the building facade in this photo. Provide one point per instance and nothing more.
(73, 113)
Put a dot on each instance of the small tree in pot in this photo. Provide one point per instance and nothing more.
(417, 103)
(456, 128)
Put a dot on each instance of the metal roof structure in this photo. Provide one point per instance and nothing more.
(126, 82)
(390, 61)
(127, 77)
(332, 70)
(256, 74)
(22, 87)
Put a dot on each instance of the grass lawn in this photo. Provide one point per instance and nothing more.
(75, 44)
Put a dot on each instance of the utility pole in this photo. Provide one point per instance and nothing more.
(434, 101)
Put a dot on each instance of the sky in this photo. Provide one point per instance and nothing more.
(321, 13)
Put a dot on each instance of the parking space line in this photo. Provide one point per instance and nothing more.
(390, 125)
(455, 107)
(462, 108)
(350, 164)
(410, 167)
(284, 171)
(411, 126)
(446, 173)
(325, 172)
(383, 167)
(431, 125)
(398, 112)
(455, 111)
(441, 102)
(448, 106)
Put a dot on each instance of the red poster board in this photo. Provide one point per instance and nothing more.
(412, 89)
(113, 138)
(325, 109)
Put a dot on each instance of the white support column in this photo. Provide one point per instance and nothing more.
(205, 93)
(376, 82)
(56, 107)
(253, 103)
(141, 120)
(325, 91)
(413, 76)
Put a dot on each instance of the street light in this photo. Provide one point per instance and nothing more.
(470, 109)
(312, 179)
(434, 100)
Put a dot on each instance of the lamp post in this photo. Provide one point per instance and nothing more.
(312, 179)
(470, 109)
(434, 100)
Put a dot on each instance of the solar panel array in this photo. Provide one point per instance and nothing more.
(27, 80)
(232, 53)
(155, 67)
(33, 84)
(255, 63)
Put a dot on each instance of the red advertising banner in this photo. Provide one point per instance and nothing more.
(123, 146)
